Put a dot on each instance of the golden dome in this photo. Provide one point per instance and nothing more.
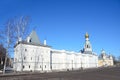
(86, 35)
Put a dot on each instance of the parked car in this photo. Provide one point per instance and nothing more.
(8, 70)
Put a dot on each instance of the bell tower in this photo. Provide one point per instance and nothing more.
(87, 46)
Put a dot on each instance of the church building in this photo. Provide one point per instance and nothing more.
(32, 55)
(105, 60)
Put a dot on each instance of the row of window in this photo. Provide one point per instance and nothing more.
(25, 58)
(41, 51)
(29, 66)
(31, 58)
(34, 50)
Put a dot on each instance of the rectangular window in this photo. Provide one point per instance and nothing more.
(38, 58)
(15, 59)
(23, 66)
(25, 49)
(24, 58)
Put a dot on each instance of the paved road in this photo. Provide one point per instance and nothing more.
(91, 74)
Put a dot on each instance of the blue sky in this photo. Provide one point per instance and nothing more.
(64, 22)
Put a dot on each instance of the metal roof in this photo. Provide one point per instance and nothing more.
(34, 38)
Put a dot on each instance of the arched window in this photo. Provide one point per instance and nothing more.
(87, 46)
(30, 40)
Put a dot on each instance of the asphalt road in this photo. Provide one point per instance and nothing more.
(90, 74)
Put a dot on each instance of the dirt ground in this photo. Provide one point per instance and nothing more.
(111, 73)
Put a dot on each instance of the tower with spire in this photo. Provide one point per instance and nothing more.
(87, 45)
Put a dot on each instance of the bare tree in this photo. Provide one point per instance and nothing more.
(8, 39)
(14, 29)
(2, 56)
(21, 27)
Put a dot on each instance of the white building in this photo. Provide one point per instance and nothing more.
(105, 60)
(31, 55)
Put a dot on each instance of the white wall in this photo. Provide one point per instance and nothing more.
(39, 58)
(31, 57)
(58, 60)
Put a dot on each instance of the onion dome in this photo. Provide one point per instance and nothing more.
(86, 35)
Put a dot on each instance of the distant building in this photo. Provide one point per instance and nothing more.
(32, 55)
(105, 60)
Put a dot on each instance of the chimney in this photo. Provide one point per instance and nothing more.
(20, 39)
(28, 39)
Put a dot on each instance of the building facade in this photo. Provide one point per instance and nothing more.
(32, 55)
(105, 60)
